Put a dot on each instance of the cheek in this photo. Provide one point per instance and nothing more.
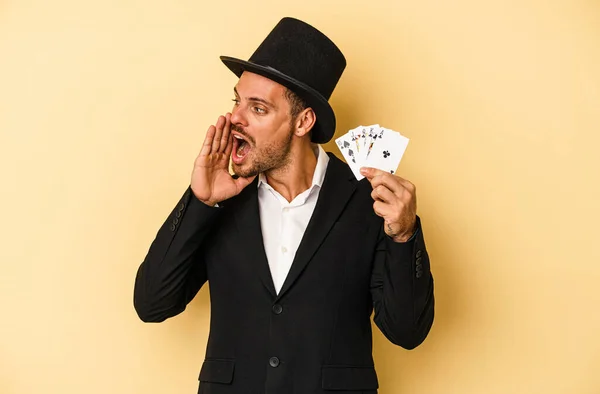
(269, 126)
(271, 131)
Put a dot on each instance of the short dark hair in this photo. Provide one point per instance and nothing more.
(297, 103)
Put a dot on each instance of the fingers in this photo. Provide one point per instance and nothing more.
(382, 209)
(218, 137)
(229, 146)
(226, 133)
(216, 142)
(388, 181)
(382, 193)
(208, 139)
(395, 183)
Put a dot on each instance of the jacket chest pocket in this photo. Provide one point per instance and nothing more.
(349, 378)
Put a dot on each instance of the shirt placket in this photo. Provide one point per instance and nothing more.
(286, 234)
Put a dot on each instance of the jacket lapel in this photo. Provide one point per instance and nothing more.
(338, 186)
(248, 224)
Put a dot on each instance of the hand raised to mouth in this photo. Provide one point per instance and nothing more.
(211, 181)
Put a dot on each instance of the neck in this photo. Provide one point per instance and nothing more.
(297, 175)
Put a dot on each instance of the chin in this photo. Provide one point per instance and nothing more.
(244, 170)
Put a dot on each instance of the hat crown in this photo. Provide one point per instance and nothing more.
(302, 52)
(301, 58)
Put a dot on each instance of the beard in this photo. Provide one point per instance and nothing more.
(272, 156)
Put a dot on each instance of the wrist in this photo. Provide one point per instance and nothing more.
(406, 236)
(209, 203)
(402, 238)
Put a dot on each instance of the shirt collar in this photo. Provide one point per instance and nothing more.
(320, 169)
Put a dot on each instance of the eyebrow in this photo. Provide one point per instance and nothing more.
(257, 99)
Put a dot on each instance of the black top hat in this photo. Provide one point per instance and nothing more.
(301, 58)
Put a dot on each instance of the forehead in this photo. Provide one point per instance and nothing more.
(254, 85)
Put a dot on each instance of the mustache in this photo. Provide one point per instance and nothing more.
(240, 130)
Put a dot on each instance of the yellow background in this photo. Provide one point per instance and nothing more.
(104, 105)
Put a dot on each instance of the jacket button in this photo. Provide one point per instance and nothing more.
(418, 261)
(419, 274)
(419, 253)
(274, 362)
(277, 309)
(173, 227)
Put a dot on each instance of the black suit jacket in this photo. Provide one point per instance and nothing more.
(315, 335)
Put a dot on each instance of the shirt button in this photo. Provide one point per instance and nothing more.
(277, 309)
(284, 249)
(274, 362)
(286, 209)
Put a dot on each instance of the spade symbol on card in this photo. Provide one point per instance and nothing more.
(345, 148)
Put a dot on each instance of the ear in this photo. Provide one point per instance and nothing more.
(305, 122)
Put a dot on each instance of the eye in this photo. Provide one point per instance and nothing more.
(259, 110)
(236, 101)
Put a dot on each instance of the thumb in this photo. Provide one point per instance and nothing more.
(371, 172)
(241, 182)
(367, 172)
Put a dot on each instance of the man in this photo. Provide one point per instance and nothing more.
(297, 252)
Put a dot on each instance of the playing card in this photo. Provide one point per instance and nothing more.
(372, 146)
(347, 145)
(366, 135)
(355, 136)
(387, 151)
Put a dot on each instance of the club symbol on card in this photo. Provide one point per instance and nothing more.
(386, 154)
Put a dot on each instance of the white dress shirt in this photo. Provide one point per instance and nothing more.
(283, 223)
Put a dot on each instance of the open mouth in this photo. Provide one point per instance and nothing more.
(241, 148)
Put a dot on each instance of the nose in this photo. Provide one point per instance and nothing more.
(237, 116)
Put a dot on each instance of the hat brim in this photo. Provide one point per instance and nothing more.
(324, 128)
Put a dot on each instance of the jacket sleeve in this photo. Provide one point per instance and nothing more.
(402, 289)
(173, 270)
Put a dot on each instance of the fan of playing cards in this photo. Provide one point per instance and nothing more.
(372, 146)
